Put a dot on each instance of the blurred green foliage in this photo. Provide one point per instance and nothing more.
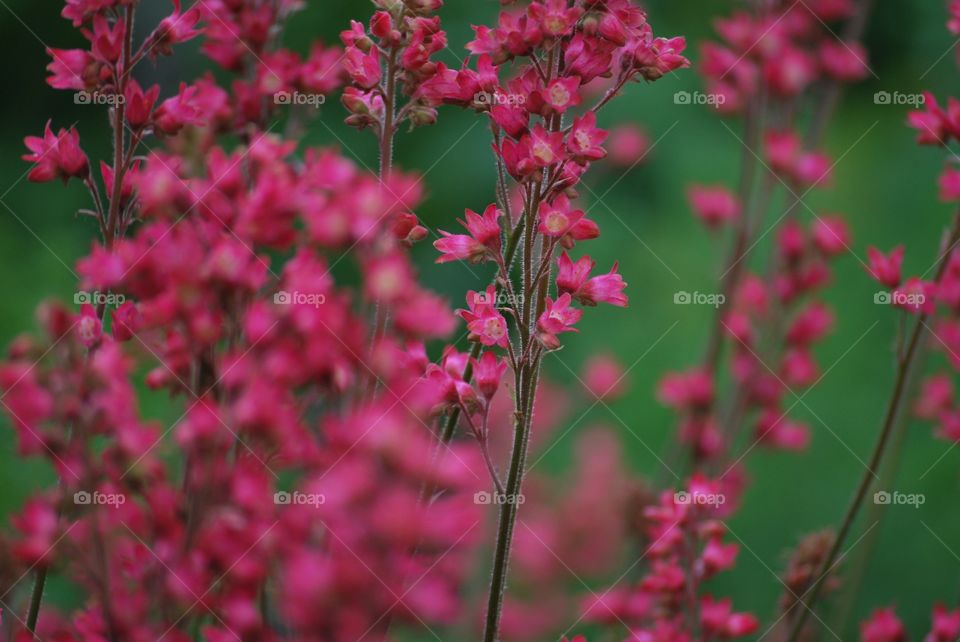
(884, 184)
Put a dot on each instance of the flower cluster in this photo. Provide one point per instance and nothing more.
(683, 534)
(302, 398)
(766, 63)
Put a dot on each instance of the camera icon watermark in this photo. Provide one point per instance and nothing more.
(299, 298)
(896, 498)
(492, 99)
(500, 300)
(98, 98)
(296, 498)
(485, 498)
(684, 498)
(898, 98)
(698, 98)
(97, 298)
(902, 299)
(699, 298)
(299, 98)
(96, 498)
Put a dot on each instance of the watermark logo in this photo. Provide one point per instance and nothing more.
(299, 298)
(903, 299)
(699, 298)
(501, 299)
(299, 98)
(698, 98)
(96, 498)
(296, 498)
(492, 99)
(683, 498)
(98, 98)
(898, 98)
(896, 498)
(485, 498)
(98, 298)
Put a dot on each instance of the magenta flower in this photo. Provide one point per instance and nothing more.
(558, 217)
(482, 242)
(484, 323)
(139, 103)
(883, 625)
(574, 278)
(555, 17)
(56, 156)
(488, 371)
(885, 268)
(585, 139)
(545, 148)
(934, 125)
(73, 69)
(557, 317)
(176, 28)
(715, 206)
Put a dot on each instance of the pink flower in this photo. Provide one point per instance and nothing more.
(628, 145)
(799, 370)
(946, 624)
(782, 149)
(56, 156)
(364, 68)
(934, 125)
(178, 111)
(176, 28)
(513, 120)
(718, 556)
(106, 39)
(812, 169)
(950, 184)
(686, 390)
(89, 328)
(585, 139)
(556, 19)
(488, 371)
(810, 325)
(715, 206)
(517, 158)
(882, 626)
(573, 278)
(936, 397)
(831, 235)
(557, 317)
(483, 241)
(844, 61)
(73, 69)
(125, 321)
(139, 103)
(885, 268)
(557, 218)
(790, 72)
(655, 57)
(776, 430)
(38, 524)
(561, 94)
(545, 148)
(718, 619)
(485, 324)
(603, 377)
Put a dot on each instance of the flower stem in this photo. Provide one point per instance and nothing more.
(508, 509)
(894, 406)
(36, 597)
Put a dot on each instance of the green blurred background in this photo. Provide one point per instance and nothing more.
(884, 185)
